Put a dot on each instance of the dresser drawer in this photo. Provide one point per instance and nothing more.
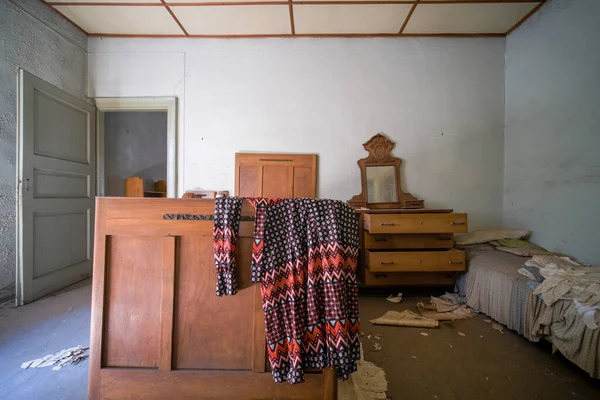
(415, 261)
(416, 223)
(409, 278)
(408, 241)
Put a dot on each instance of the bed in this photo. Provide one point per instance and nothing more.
(492, 285)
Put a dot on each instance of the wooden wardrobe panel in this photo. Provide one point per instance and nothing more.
(205, 336)
(154, 310)
(211, 385)
(278, 181)
(304, 185)
(250, 180)
(132, 319)
(276, 175)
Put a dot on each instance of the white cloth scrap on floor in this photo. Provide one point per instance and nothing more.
(74, 355)
(404, 318)
(455, 298)
(443, 309)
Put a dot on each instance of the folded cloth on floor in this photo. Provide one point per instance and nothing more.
(566, 279)
(444, 310)
(455, 298)
(404, 318)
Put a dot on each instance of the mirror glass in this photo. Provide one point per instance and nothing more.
(381, 184)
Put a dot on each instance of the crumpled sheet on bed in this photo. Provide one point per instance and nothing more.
(564, 327)
(493, 286)
(566, 279)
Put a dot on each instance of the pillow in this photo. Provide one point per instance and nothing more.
(476, 247)
(488, 235)
(524, 252)
(516, 243)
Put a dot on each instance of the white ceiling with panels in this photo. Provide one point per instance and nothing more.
(303, 18)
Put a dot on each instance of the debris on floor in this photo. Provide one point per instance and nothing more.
(461, 334)
(442, 309)
(499, 328)
(71, 356)
(367, 383)
(424, 334)
(373, 337)
(489, 321)
(395, 299)
(455, 298)
(404, 318)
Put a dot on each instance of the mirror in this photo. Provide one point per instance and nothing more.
(380, 178)
(381, 184)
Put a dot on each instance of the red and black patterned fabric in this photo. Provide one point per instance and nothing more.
(307, 272)
(260, 205)
(225, 233)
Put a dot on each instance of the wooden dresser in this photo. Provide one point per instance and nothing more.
(403, 247)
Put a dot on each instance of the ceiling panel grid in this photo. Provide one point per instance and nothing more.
(296, 18)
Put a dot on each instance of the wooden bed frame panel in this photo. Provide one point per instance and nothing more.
(158, 330)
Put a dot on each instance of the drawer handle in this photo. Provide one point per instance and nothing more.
(456, 262)
(387, 224)
(380, 240)
(457, 223)
(386, 262)
(381, 276)
(443, 238)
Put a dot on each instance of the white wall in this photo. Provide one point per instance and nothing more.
(135, 144)
(441, 100)
(36, 39)
(552, 181)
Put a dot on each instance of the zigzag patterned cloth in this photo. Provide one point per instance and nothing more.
(225, 233)
(307, 271)
(260, 204)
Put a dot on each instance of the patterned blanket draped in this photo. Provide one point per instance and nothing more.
(305, 261)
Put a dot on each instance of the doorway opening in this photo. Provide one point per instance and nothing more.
(137, 146)
(135, 154)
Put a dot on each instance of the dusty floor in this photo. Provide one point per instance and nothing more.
(442, 365)
(43, 327)
(483, 364)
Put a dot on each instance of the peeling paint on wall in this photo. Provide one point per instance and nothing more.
(34, 38)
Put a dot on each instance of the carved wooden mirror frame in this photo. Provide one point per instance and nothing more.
(380, 155)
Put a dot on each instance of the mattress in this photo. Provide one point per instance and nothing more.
(492, 285)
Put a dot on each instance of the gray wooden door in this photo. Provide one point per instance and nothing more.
(56, 172)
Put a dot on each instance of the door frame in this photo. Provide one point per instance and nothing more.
(152, 104)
